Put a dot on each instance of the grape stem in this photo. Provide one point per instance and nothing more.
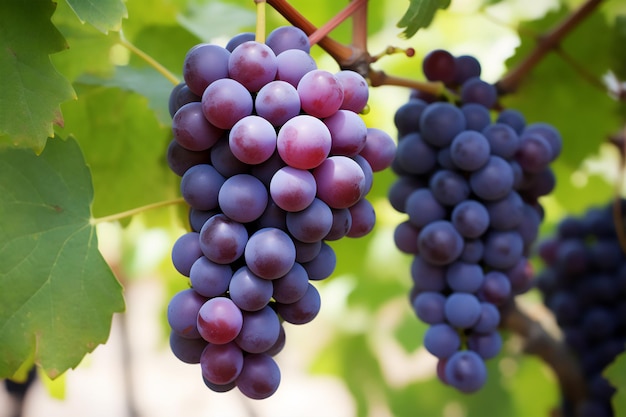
(137, 210)
(545, 43)
(553, 352)
(151, 61)
(339, 18)
(260, 21)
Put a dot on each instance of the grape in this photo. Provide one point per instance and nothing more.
(259, 331)
(225, 101)
(243, 198)
(440, 123)
(513, 118)
(348, 132)
(400, 190)
(200, 186)
(252, 140)
(306, 252)
(302, 311)
(288, 37)
(494, 180)
(237, 40)
(466, 371)
(363, 218)
(179, 159)
(312, 223)
(442, 340)
(197, 218)
(292, 64)
(223, 240)
(503, 140)
(489, 318)
(321, 94)
(503, 249)
(476, 116)
(405, 237)
(304, 142)
(292, 286)
(225, 162)
(496, 288)
(259, 377)
(191, 129)
(248, 291)
(253, 64)
(367, 173)
(423, 208)
(182, 313)
(407, 117)
(534, 153)
(221, 364)
(209, 278)
(219, 320)
(322, 265)
(426, 276)
(428, 306)
(469, 150)
(204, 64)
(379, 150)
(340, 181)
(439, 243)
(449, 187)
(549, 133)
(270, 253)
(470, 218)
(342, 222)
(414, 155)
(464, 277)
(185, 252)
(293, 189)
(466, 67)
(506, 213)
(355, 90)
(187, 350)
(439, 65)
(277, 102)
(462, 310)
(475, 90)
(179, 96)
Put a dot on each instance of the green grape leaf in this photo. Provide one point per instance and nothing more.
(32, 88)
(616, 374)
(125, 146)
(420, 15)
(144, 81)
(58, 294)
(554, 89)
(206, 19)
(104, 15)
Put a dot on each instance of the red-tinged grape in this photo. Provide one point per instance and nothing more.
(253, 64)
(252, 140)
(321, 94)
(304, 142)
(221, 364)
(293, 189)
(225, 102)
(277, 102)
(355, 90)
(340, 181)
(219, 320)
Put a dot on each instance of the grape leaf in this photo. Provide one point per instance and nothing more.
(616, 374)
(420, 14)
(32, 89)
(104, 15)
(206, 19)
(58, 294)
(144, 81)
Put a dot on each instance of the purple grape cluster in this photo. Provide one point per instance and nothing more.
(469, 179)
(584, 285)
(275, 163)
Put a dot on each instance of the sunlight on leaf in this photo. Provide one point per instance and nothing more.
(420, 14)
(104, 15)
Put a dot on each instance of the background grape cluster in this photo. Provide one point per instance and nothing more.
(469, 179)
(275, 162)
(584, 285)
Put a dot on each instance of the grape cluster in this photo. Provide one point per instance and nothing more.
(469, 179)
(584, 285)
(275, 163)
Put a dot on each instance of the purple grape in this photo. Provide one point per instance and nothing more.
(442, 340)
(270, 253)
(248, 291)
(252, 140)
(243, 198)
(302, 311)
(182, 313)
(321, 94)
(223, 240)
(259, 377)
(219, 320)
(466, 371)
(204, 64)
(252, 64)
(221, 364)
(260, 330)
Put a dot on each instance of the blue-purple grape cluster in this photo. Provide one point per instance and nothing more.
(275, 163)
(469, 179)
(584, 285)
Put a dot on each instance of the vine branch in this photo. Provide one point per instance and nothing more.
(147, 58)
(553, 352)
(547, 42)
(137, 210)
